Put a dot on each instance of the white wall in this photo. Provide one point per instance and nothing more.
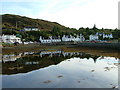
(72, 38)
(31, 29)
(49, 40)
(10, 39)
(93, 37)
(64, 38)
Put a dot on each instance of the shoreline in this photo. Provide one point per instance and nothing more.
(101, 45)
(66, 48)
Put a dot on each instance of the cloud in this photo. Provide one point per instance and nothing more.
(71, 13)
(20, 0)
(84, 14)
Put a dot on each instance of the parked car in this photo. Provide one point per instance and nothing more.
(16, 43)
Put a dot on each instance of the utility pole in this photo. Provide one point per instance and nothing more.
(16, 25)
(37, 25)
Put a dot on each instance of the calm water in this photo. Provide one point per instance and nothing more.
(59, 69)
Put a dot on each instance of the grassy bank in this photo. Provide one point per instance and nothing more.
(22, 48)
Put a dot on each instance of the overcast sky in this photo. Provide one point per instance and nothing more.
(70, 13)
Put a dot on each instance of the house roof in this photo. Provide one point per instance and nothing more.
(30, 27)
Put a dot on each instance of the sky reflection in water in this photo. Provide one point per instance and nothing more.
(77, 70)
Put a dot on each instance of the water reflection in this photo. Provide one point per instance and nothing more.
(28, 61)
(59, 69)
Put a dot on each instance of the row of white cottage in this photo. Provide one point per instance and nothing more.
(13, 57)
(78, 38)
(51, 39)
(12, 39)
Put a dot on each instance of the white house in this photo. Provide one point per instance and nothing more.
(10, 39)
(31, 29)
(104, 35)
(79, 38)
(93, 37)
(107, 36)
(99, 33)
(50, 39)
(65, 38)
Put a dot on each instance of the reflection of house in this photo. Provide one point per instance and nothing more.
(43, 54)
(31, 63)
(52, 39)
(10, 39)
(93, 37)
(71, 53)
(31, 29)
(11, 57)
(51, 53)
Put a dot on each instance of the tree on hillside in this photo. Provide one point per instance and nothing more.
(94, 27)
(81, 28)
(55, 31)
(18, 35)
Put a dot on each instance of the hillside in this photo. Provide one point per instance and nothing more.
(9, 21)
(47, 28)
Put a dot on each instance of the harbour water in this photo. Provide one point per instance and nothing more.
(59, 69)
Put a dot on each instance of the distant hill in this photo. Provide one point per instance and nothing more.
(9, 21)
(47, 28)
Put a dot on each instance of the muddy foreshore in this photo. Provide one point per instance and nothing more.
(66, 48)
(115, 46)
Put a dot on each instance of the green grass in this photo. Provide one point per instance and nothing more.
(7, 45)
